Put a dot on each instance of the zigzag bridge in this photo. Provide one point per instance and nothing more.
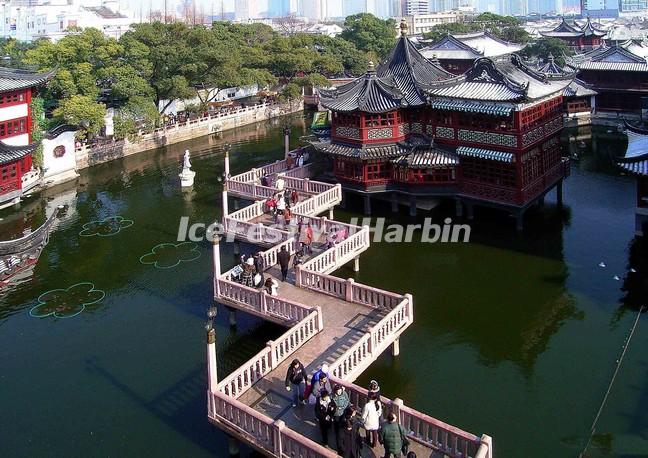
(329, 319)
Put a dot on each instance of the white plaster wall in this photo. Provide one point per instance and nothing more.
(13, 112)
(17, 140)
(66, 164)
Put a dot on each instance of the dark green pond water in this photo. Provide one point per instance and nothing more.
(515, 335)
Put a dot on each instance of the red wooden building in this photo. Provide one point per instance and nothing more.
(17, 173)
(488, 137)
(635, 162)
(619, 74)
(578, 37)
(578, 97)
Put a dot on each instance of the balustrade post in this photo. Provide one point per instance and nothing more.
(260, 230)
(278, 426)
(212, 365)
(320, 318)
(396, 405)
(306, 185)
(272, 361)
(217, 266)
(348, 293)
(485, 449)
(410, 306)
(298, 278)
(224, 198)
(254, 175)
(264, 301)
(323, 221)
(356, 264)
(396, 347)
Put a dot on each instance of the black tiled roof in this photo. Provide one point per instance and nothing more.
(368, 93)
(9, 153)
(12, 79)
(614, 58)
(503, 79)
(364, 152)
(410, 71)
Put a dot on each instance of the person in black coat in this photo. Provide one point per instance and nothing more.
(296, 380)
(324, 411)
(284, 261)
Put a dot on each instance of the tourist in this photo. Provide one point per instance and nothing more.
(264, 180)
(271, 286)
(374, 389)
(393, 437)
(330, 238)
(271, 203)
(300, 160)
(287, 217)
(296, 380)
(294, 197)
(287, 197)
(350, 443)
(298, 257)
(281, 206)
(259, 266)
(284, 261)
(324, 410)
(320, 386)
(323, 370)
(371, 419)
(308, 239)
(247, 277)
(341, 399)
(280, 182)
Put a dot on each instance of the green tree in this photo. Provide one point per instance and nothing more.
(440, 31)
(83, 111)
(291, 91)
(168, 54)
(370, 34)
(507, 28)
(544, 47)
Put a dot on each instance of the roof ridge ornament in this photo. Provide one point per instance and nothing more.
(403, 27)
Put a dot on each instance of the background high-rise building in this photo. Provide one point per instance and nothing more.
(314, 9)
(417, 7)
(632, 5)
(354, 7)
(278, 8)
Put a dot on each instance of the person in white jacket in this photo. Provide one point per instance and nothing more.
(371, 414)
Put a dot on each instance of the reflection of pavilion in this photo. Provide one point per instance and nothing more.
(18, 257)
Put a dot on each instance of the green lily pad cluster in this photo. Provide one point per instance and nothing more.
(168, 255)
(106, 227)
(66, 303)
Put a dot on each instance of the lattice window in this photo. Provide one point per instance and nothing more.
(348, 132)
(445, 132)
(487, 138)
(487, 171)
(376, 134)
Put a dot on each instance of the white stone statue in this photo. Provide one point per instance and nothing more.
(187, 175)
(187, 164)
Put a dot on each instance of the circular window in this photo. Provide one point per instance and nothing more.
(59, 151)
